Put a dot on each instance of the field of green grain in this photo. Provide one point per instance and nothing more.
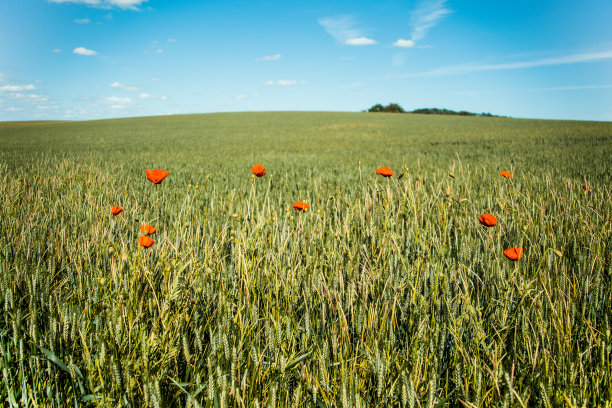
(387, 293)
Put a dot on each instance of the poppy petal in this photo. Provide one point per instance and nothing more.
(514, 254)
(488, 220)
(145, 241)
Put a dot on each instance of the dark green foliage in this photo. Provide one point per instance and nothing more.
(390, 108)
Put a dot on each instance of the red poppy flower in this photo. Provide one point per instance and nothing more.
(514, 254)
(384, 171)
(488, 220)
(146, 241)
(116, 210)
(505, 174)
(586, 187)
(258, 170)
(300, 206)
(157, 176)
(148, 229)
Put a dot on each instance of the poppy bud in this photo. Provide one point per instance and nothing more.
(258, 170)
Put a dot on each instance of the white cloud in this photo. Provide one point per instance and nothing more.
(84, 51)
(123, 4)
(360, 41)
(56, 50)
(160, 51)
(171, 40)
(149, 96)
(343, 30)
(548, 89)
(403, 43)
(282, 82)
(17, 88)
(118, 99)
(571, 88)
(274, 57)
(241, 96)
(119, 85)
(117, 102)
(154, 79)
(426, 16)
(30, 97)
(469, 68)
(82, 21)
(91, 2)
(1, 77)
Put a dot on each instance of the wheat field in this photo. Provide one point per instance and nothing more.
(387, 292)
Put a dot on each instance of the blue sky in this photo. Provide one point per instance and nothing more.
(91, 59)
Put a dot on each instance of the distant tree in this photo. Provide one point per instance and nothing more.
(394, 108)
(437, 111)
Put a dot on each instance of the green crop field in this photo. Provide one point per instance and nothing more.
(388, 292)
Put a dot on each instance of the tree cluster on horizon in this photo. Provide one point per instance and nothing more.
(396, 108)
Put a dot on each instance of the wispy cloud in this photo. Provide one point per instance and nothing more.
(344, 31)
(274, 57)
(241, 96)
(82, 21)
(545, 89)
(360, 41)
(149, 96)
(84, 51)
(403, 43)
(1, 77)
(284, 82)
(123, 4)
(571, 88)
(17, 88)
(56, 50)
(117, 99)
(542, 62)
(119, 85)
(30, 97)
(426, 15)
(116, 102)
